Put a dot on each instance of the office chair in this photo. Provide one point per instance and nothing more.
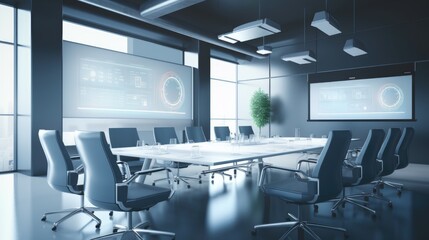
(361, 171)
(126, 137)
(401, 155)
(162, 135)
(62, 176)
(105, 187)
(246, 130)
(222, 132)
(195, 134)
(387, 161)
(322, 184)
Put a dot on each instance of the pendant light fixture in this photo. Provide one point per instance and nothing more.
(354, 47)
(325, 22)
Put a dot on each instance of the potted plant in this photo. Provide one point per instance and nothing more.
(260, 108)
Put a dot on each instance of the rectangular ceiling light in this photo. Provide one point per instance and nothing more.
(264, 50)
(303, 57)
(325, 23)
(157, 8)
(354, 48)
(252, 30)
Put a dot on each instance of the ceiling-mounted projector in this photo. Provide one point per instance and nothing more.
(251, 30)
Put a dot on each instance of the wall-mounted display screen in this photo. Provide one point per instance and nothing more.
(361, 97)
(107, 84)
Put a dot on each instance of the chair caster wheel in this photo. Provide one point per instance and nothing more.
(111, 213)
(253, 232)
(343, 205)
(235, 171)
(399, 192)
(115, 230)
(316, 208)
(212, 181)
(212, 176)
(54, 228)
(153, 184)
(374, 190)
(97, 225)
(177, 181)
(43, 218)
(230, 178)
(200, 182)
(92, 212)
(189, 186)
(333, 214)
(390, 204)
(366, 198)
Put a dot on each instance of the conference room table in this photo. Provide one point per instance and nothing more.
(221, 153)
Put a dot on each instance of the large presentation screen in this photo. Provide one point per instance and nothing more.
(377, 98)
(100, 83)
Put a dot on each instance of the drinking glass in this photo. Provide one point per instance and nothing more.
(140, 143)
(297, 133)
(173, 141)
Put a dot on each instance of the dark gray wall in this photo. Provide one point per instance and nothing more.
(46, 76)
(397, 41)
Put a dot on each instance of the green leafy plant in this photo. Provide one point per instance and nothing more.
(260, 107)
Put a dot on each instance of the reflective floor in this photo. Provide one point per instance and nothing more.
(223, 210)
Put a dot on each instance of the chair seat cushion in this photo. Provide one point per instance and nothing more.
(142, 196)
(351, 175)
(293, 190)
(178, 165)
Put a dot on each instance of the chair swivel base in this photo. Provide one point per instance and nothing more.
(72, 212)
(297, 224)
(134, 233)
(352, 200)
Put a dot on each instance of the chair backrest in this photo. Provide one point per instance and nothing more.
(387, 151)
(368, 155)
(246, 130)
(402, 147)
(329, 165)
(101, 171)
(59, 161)
(124, 137)
(195, 134)
(222, 132)
(163, 135)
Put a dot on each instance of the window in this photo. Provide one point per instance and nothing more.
(223, 95)
(7, 89)
(94, 37)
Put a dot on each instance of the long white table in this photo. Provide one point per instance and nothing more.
(218, 153)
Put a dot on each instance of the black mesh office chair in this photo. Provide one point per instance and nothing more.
(126, 137)
(195, 134)
(62, 176)
(361, 170)
(163, 135)
(322, 184)
(246, 130)
(105, 187)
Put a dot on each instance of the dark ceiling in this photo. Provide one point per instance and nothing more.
(213, 17)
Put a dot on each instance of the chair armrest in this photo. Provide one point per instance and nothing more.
(72, 178)
(308, 161)
(144, 172)
(79, 169)
(381, 163)
(125, 165)
(349, 164)
(262, 178)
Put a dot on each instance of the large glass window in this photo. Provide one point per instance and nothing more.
(7, 88)
(94, 37)
(223, 95)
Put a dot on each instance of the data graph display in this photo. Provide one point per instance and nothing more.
(103, 83)
(378, 98)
